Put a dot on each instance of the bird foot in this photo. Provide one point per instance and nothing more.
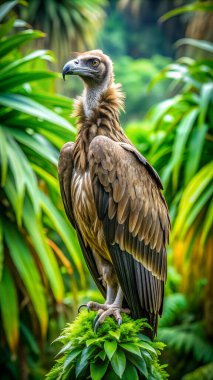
(106, 311)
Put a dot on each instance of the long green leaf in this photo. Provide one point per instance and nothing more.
(197, 6)
(19, 177)
(13, 42)
(9, 82)
(183, 132)
(207, 225)
(29, 177)
(42, 148)
(3, 156)
(199, 184)
(44, 252)
(65, 231)
(25, 265)
(26, 105)
(201, 44)
(9, 309)
(197, 208)
(195, 152)
(1, 249)
(6, 8)
(42, 54)
(205, 100)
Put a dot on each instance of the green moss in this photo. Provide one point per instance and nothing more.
(110, 354)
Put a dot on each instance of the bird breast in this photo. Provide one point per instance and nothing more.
(85, 213)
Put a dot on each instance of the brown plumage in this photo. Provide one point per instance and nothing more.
(112, 197)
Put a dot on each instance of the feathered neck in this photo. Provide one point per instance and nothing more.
(102, 120)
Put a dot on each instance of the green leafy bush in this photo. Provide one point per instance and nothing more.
(111, 353)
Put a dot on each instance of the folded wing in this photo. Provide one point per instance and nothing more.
(129, 202)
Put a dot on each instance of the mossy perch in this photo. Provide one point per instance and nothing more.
(112, 353)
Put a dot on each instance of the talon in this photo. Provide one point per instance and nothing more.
(81, 306)
(88, 309)
(94, 321)
(119, 321)
(96, 327)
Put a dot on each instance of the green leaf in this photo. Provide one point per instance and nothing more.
(182, 136)
(42, 54)
(115, 334)
(95, 341)
(19, 177)
(25, 265)
(194, 7)
(201, 44)
(195, 152)
(207, 225)
(194, 198)
(118, 362)
(9, 82)
(1, 249)
(70, 358)
(130, 372)
(48, 260)
(3, 156)
(139, 363)
(131, 348)
(110, 348)
(31, 141)
(147, 346)
(80, 367)
(26, 105)
(14, 41)
(98, 370)
(87, 352)
(29, 338)
(205, 101)
(29, 177)
(6, 8)
(65, 231)
(9, 309)
(111, 376)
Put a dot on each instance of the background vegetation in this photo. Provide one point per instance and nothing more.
(166, 71)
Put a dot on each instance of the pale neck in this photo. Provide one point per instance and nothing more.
(92, 95)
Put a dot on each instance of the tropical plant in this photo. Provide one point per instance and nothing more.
(70, 25)
(33, 228)
(181, 153)
(111, 353)
(201, 6)
(183, 330)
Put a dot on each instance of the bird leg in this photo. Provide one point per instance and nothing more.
(115, 309)
(114, 295)
(95, 306)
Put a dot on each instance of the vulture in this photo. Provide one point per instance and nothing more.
(112, 197)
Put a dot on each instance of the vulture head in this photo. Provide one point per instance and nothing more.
(93, 67)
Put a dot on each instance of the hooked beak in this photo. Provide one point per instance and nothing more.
(68, 68)
(74, 68)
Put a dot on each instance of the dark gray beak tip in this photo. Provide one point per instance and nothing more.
(66, 70)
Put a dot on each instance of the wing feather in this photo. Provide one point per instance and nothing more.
(65, 173)
(128, 198)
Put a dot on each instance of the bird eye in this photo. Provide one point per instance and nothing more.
(95, 62)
